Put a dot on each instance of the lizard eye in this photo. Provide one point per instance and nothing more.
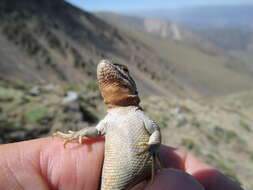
(125, 70)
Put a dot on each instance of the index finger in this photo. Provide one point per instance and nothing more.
(208, 176)
(45, 164)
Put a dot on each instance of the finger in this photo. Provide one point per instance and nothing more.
(208, 176)
(50, 166)
(180, 159)
(213, 179)
(19, 163)
(171, 179)
(172, 157)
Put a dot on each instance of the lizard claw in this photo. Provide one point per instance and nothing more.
(80, 139)
(66, 141)
(69, 137)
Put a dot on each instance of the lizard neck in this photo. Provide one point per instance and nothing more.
(116, 95)
(122, 101)
(123, 108)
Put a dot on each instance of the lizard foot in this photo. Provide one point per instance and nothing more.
(156, 165)
(70, 137)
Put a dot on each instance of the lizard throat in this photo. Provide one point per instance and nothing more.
(127, 100)
(115, 95)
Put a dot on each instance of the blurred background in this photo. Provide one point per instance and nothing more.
(192, 61)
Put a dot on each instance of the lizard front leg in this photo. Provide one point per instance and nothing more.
(90, 132)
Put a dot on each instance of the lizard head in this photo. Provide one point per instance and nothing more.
(116, 85)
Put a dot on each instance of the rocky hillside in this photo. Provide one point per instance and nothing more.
(40, 44)
(218, 131)
(28, 111)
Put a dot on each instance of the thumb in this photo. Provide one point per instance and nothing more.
(46, 164)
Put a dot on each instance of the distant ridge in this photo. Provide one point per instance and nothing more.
(205, 16)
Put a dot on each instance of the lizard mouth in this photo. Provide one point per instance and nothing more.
(103, 70)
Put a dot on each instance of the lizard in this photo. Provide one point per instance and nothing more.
(132, 139)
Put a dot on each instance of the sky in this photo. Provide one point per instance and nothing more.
(133, 5)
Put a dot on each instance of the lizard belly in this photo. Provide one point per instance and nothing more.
(123, 168)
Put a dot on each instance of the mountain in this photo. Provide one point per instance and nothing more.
(219, 16)
(236, 16)
(196, 63)
(158, 27)
(229, 27)
(228, 38)
(40, 44)
(163, 29)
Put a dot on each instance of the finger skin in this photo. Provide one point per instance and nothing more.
(45, 164)
(171, 179)
(212, 179)
(208, 176)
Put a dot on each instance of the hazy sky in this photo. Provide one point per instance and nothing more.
(128, 5)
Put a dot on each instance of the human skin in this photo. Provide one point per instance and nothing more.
(44, 163)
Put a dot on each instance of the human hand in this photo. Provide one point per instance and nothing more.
(43, 164)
